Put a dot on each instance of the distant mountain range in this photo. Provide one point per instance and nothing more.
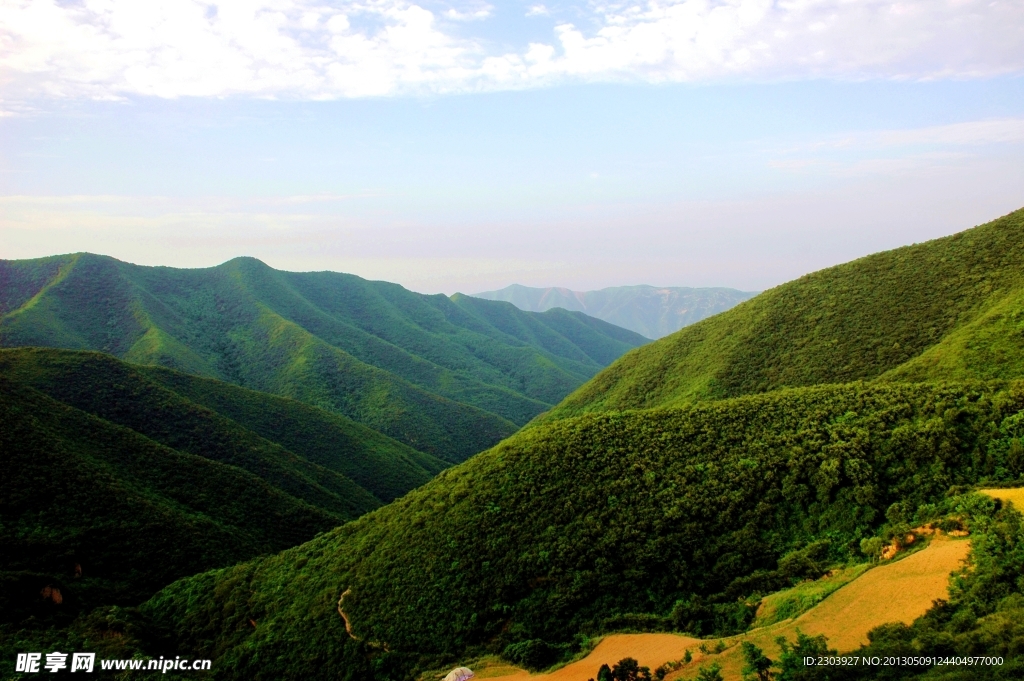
(648, 310)
(446, 376)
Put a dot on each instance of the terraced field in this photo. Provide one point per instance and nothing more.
(898, 591)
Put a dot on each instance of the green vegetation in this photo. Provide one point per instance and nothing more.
(789, 603)
(321, 457)
(983, 616)
(686, 516)
(948, 309)
(715, 486)
(448, 377)
(120, 479)
(108, 516)
(626, 669)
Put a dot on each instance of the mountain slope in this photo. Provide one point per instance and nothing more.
(602, 521)
(648, 310)
(424, 370)
(107, 516)
(313, 455)
(946, 309)
(119, 479)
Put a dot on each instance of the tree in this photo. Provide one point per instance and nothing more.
(710, 673)
(758, 666)
(791, 661)
(627, 669)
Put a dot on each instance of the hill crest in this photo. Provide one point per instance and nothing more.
(947, 309)
(447, 376)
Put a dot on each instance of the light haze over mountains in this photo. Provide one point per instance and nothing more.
(648, 310)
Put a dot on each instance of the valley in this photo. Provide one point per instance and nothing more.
(447, 376)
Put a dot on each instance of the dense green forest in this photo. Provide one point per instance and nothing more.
(119, 479)
(447, 376)
(660, 519)
(694, 476)
(948, 309)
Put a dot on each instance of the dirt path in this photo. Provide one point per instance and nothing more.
(899, 591)
(348, 625)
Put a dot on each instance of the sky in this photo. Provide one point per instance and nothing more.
(468, 145)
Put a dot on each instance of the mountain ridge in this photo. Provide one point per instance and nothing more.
(106, 461)
(894, 315)
(447, 376)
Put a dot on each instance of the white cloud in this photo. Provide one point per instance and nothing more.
(317, 49)
(471, 15)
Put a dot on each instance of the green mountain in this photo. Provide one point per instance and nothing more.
(648, 310)
(119, 479)
(662, 519)
(447, 376)
(678, 517)
(948, 309)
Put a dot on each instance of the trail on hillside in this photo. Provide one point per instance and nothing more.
(348, 624)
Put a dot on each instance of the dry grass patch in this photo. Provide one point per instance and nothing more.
(1013, 495)
(855, 601)
(900, 591)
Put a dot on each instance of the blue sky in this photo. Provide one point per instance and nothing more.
(472, 145)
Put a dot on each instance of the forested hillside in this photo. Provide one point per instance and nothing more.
(119, 479)
(106, 515)
(447, 376)
(948, 309)
(672, 518)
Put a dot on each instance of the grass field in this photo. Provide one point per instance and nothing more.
(790, 603)
(899, 591)
(1013, 495)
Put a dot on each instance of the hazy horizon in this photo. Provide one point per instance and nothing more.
(466, 146)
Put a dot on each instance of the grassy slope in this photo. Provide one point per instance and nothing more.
(948, 309)
(422, 369)
(567, 525)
